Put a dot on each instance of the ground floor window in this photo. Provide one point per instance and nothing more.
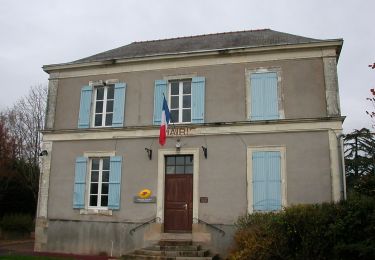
(99, 181)
(266, 179)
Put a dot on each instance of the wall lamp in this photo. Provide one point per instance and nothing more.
(204, 151)
(149, 153)
(178, 145)
(43, 153)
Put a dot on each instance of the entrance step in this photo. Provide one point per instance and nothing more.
(170, 249)
(176, 236)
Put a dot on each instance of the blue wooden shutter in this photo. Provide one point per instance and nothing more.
(159, 89)
(119, 105)
(266, 181)
(197, 98)
(264, 97)
(80, 183)
(85, 107)
(114, 193)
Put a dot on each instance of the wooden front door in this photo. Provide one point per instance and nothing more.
(178, 204)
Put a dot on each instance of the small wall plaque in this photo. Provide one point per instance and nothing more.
(138, 199)
(203, 199)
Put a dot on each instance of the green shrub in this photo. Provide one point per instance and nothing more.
(259, 237)
(345, 230)
(20, 223)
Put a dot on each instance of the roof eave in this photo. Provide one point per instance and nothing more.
(337, 43)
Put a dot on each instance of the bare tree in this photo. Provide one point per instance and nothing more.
(24, 121)
(7, 157)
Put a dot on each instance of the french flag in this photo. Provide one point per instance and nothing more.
(165, 117)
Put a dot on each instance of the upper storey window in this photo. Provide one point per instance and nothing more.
(185, 100)
(102, 105)
(180, 101)
(264, 102)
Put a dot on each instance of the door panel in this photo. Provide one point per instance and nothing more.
(178, 201)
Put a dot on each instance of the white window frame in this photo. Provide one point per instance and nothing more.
(100, 182)
(180, 98)
(104, 112)
(249, 173)
(90, 210)
(280, 97)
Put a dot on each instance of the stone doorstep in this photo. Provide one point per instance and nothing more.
(175, 248)
(148, 257)
(194, 258)
(189, 253)
(170, 249)
(176, 236)
(179, 242)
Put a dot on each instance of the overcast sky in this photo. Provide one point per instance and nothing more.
(35, 33)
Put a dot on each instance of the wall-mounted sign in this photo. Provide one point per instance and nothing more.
(179, 131)
(144, 194)
(203, 199)
(138, 199)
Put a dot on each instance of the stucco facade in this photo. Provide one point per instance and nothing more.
(306, 135)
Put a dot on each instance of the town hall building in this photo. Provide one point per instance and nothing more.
(255, 127)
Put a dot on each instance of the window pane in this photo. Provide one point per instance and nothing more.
(99, 107)
(110, 106)
(186, 101)
(99, 93)
(104, 201)
(98, 120)
(106, 163)
(180, 160)
(94, 176)
(187, 87)
(108, 119)
(105, 188)
(171, 160)
(174, 88)
(93, 200)
(189, 160)
(180, 169)
(174, 102)
(94, 188)
(110, 92)
(189, 169)
(174, 116)
(95, 164)
(105, 176)
(186, 115)
(170, 169)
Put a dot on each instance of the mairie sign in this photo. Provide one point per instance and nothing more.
(178, 131)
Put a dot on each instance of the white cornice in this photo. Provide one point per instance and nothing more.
(197, 58)
(271, 127)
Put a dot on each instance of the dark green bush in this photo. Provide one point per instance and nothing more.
(345, 230)
(20, 223)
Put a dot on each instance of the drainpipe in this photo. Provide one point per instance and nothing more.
(340, 146)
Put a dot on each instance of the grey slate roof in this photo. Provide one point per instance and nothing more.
(252, 38)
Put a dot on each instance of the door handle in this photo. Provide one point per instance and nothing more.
(185, 206)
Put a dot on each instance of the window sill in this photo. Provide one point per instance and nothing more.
(103, 212)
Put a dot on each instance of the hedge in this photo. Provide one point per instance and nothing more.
(345, 230)
(21, 223)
